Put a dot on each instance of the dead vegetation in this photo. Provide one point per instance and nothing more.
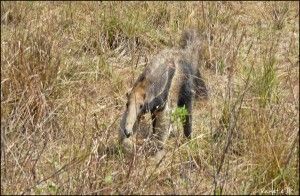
(65, 69)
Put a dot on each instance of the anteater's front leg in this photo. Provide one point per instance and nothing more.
(126, 143)
(153, 117)
(161, 128)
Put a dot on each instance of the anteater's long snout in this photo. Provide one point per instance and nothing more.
(124, 128)
(127, 133)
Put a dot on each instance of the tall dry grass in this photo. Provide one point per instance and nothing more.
(65, 68)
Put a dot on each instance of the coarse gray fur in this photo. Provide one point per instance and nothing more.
(172, 79)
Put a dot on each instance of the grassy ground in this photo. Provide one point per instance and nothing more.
(65, 69)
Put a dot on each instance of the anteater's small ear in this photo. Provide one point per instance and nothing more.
(144, 96)
(144, 83)
(128, 93)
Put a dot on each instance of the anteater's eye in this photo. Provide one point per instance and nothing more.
(141, 106)
(127, 104)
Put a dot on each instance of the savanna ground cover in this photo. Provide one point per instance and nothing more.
(65, 69)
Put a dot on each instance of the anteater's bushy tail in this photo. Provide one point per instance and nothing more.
(200, 87)
(189, 37)
(190, 42)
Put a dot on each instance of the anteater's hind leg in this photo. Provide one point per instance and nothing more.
(187, 126)
(185, 100)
